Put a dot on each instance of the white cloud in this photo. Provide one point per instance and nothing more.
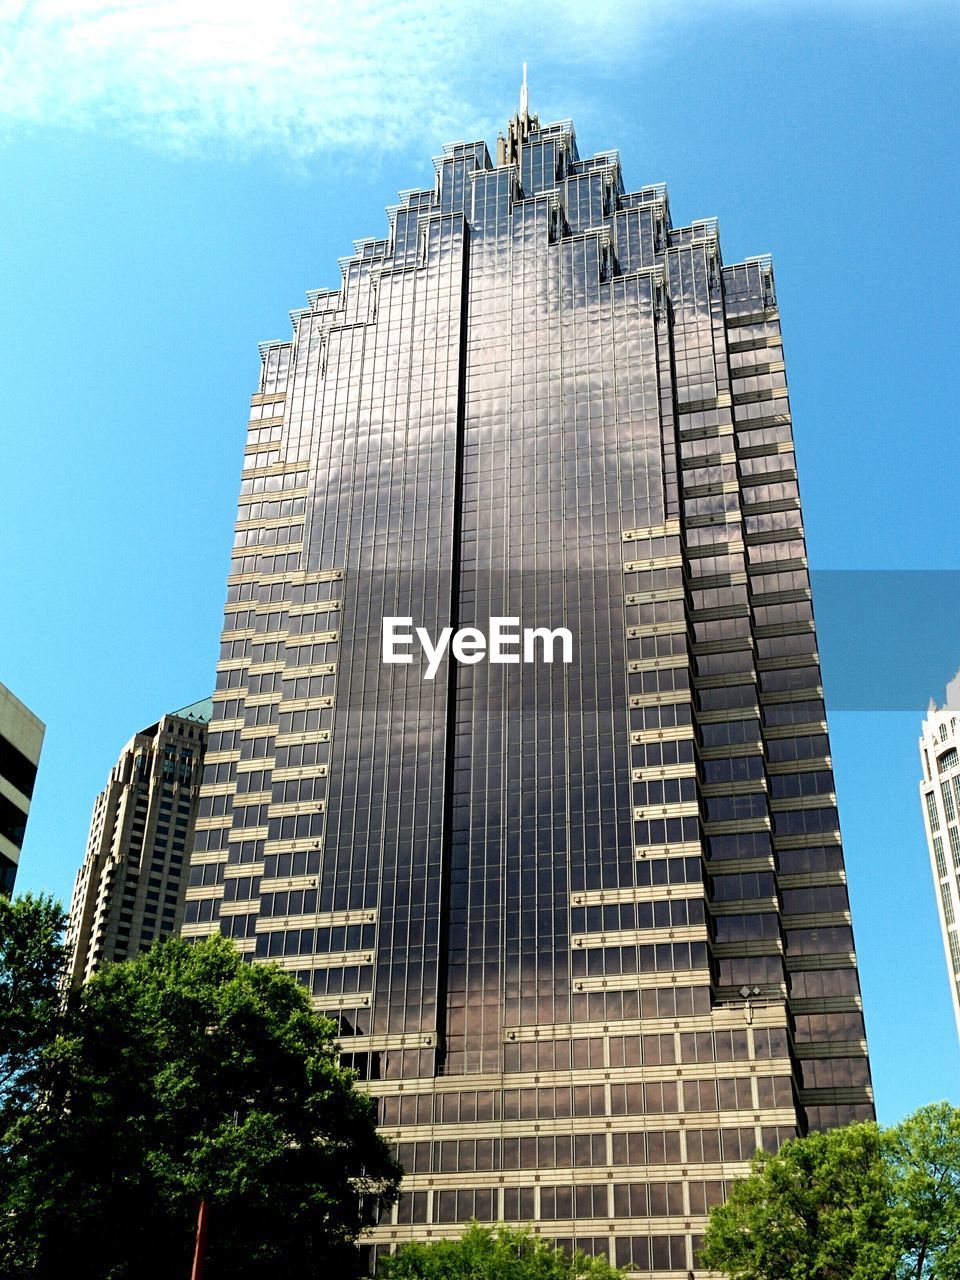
(296, 76)
(288, 74)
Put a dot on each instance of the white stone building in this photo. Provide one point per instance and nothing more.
(940, 799)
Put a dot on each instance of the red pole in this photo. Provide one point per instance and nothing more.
(200, 1248)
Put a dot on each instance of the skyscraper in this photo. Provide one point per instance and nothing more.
(129, 891)
(21, 737)
(940, 799)
(584, 925)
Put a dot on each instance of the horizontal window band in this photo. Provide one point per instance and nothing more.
(674, 733)
(314, 637)
(196, 892)
(718, 790)
(654, 773)
(301, 738)
(663, 562)
(742, 906)
(673, 627)
(720, 401)
(318, 606)
(765, 1013)
(791, 804)
(726, 715)
(836, 1096)
(313, 919)
(304, 844)
(294, 773)
(737, 826)
(811, 962)
(817, 920)
(242, 906)
(779, 697)
(754, 947)
(668, 528)
(330, 1004)
(276, 884)
(655, 597)
(738, 579)
(683, 809)
(297, 808)
(307, 704)
(804, 729)
(639, 937)
(731, 866)
(812, 879)
(395, 1040)
(670, 662)
(321, 959)
(638, 893)
(679, 850)
(669, 698)
(546, 1127)
(631, 981)
(827, 1004)
(716, 519)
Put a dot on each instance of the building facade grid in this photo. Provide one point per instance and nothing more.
(585, 929)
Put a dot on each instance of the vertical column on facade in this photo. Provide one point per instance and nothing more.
(825, 999)
(751, 1109)
(474, 977)
(230, 739)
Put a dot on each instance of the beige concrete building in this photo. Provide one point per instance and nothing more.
(940, 799)
(130, 890)
(21, 737)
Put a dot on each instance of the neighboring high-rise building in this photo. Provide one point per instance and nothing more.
(940, 799)
(21, 737)
(585, 926)
(129, 892)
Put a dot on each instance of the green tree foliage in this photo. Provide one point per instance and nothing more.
(31, 959)
(485, 1253)
(820, 1209)
(924, 1151)
(857, 1203)
(186, 1075)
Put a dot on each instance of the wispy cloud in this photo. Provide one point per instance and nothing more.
(289, 74)
(295, 76)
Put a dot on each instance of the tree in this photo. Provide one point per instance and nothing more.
(924, 1152)
(822, 1208)
(183, 1075)
(31, 962)
(485, 1253)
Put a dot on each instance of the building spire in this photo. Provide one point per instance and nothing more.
(518, 129)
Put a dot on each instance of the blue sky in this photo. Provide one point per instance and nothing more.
(173, 177)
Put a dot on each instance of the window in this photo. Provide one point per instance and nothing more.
(948, 805)
(938, 852)
(947, 899)
(932, 814)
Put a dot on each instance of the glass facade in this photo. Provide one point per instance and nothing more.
(584, 926)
